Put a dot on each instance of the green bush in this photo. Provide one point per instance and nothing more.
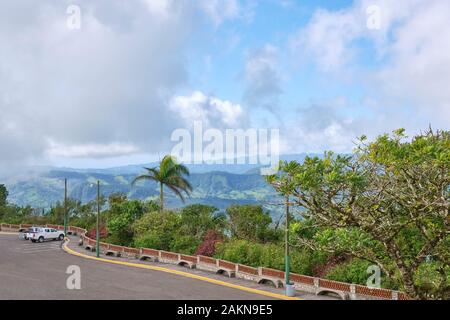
(235, 251)
(151, 240)
(355, 272)
(121, 216)
(250, 222)
(180, 232)
(185, 244)
(268, 255)
(432, 278)
(156, 230)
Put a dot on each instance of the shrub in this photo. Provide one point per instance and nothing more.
(151, 240)
(156, 230)
(184, 244)
(250, 222)
(208, 246)
(433, 280)
(268, 255)
(355, 271)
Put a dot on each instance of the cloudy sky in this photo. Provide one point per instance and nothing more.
(112, 91)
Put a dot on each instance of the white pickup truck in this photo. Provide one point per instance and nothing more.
(43, 234)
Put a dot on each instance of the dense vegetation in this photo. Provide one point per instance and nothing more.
(219, 189)
(388, 204)
(385, 205)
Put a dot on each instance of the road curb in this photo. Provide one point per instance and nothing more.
(179, 273)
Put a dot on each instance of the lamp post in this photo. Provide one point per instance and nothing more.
(65, 207)
(97, 238)
(286, 255)
(290, 291)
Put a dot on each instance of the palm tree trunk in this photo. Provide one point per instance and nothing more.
(161, 197)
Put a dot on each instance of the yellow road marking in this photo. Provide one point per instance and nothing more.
(181, 273)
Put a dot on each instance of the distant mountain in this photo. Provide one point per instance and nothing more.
(195, 168)
(219, 189)
(216, 185)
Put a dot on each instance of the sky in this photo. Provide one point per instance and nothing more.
(105, 83)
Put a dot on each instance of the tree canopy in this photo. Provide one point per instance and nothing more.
(388, 203)
(3, 195)
(250, 222)
(170, 174)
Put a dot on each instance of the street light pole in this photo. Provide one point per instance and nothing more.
(97, 247)
(286, 239)
(65, 207)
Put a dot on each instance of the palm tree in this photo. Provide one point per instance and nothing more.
(170, 174)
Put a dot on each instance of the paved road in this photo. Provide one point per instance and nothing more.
(38, 271)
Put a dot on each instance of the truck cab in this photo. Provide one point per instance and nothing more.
(45, 234)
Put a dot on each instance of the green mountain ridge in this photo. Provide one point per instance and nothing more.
(219, 185)
(219, 189)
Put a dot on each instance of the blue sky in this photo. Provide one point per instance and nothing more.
(271, 22)
(112, 90)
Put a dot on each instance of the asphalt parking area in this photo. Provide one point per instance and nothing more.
(39, 271)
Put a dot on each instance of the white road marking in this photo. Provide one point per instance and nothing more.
(30, 248)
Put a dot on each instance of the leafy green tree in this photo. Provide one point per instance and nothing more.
(121, 216)
(56, 213)
(197, 219)
(10, 213)
(3, 195)
(157, 230)
(17, 215)
(83, 215)
(249, 222)
(170, 174)
(388, 203)
(151, 206)
(186, 244)
(179, 232)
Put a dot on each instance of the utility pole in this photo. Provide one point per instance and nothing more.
(286, 239)
(65, 207)
(97, 238)
(290, 291)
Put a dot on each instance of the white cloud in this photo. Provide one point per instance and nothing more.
(328, 37)
(322, 126)
(91, 150)
(208, 109)
(160, 8)
(262, 78)
(97, 88)
(221, 10)
(418, 71)
(405, 76)
(117, 79)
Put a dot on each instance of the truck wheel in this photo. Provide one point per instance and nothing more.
(41, 239)
(61, 237)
